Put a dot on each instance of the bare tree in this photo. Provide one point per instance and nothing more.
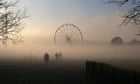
(133, 13)
(117, 40)
(11, 22)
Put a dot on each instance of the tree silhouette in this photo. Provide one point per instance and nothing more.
(133, 13)
(116, 40)
(11, 22)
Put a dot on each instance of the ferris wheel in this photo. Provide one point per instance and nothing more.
(68, 33)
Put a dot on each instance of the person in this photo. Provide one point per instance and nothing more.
(46, 57)
(57, 56)
(60, 55)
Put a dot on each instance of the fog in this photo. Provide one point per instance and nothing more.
(118, 55)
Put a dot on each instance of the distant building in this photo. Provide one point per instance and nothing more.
(117, 40)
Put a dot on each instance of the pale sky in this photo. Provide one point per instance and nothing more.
(98, 21)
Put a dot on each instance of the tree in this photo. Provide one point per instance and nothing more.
(135, 42)
(116, 40)
(11, 22)
(133, 13)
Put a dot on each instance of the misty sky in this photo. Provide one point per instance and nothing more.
(98, 21)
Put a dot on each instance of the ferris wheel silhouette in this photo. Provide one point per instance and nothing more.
(68, 33)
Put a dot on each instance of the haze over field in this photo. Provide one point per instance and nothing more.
(98, 22)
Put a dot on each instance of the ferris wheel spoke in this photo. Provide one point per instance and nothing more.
(69, 33)
(67, 29)
(75, 35)
(61, 40)
(62, 34)
(72, 30)
(75, 31)
(62, 37)
(71, 27)
(62, 30)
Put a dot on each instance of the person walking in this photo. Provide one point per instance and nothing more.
(46, 57)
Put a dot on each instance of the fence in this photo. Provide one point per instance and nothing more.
(105, 73)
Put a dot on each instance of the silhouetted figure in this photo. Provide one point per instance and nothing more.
(46, 57)
(60, 55)
(57, 56)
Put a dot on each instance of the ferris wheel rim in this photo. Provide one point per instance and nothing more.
(74, 26)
